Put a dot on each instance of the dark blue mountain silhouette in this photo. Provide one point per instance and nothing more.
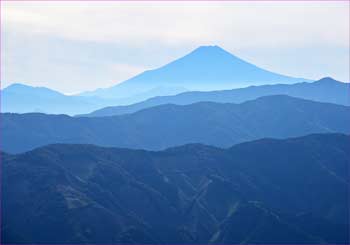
(292, 191)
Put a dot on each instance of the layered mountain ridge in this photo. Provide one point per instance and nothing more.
(323, 90)
(211, 150)
(160, 127)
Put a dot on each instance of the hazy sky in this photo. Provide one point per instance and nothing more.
(76, 46)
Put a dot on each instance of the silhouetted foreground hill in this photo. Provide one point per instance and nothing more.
(171, 125)
(265, 191)
(323, 90)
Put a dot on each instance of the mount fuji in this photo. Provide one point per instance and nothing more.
(206, 68)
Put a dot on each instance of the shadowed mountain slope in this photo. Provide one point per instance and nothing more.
(266, 191)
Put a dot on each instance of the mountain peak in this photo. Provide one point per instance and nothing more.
(205, 68)
(210, 50)
(17, 85)
(208, 47)
(327, 80)
(24, 88)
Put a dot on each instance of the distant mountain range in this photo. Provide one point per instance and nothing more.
(292, 191)
(169, 125)
(20, 98)
(324, 90)
(205, 68)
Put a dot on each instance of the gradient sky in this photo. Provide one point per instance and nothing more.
(78, 46)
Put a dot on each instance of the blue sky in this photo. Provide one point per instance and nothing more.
(78, 46)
